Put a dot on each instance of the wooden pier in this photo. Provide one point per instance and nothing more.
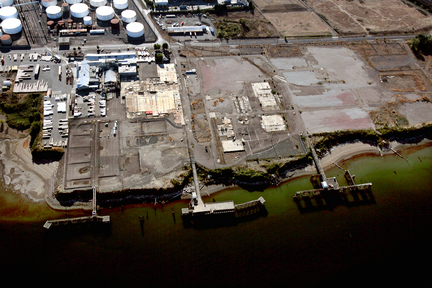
(330, 194)
(250, 208)
(76, 220)
(318, 199)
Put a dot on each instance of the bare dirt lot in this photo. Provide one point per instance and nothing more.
(298, 24)
(292, 19)
(371, 17)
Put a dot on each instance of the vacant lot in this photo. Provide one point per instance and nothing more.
(371, 17)
(291, 18)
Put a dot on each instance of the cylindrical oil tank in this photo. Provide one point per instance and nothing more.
(50, 24)
(4, 3)
(120, 4)
(54, 12)
(11, 26)
(73, 1)
(61, 23)
(65, 7)
(8, 12)
(128, 16)
(135, 29)
(105, 13)
(114, 23)
(87, 21)
(48, 3)
(98, 3)
(6, 39)
(79, 10)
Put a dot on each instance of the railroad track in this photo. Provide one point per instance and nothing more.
(33, 26)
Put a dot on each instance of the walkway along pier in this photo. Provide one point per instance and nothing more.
(77, 220)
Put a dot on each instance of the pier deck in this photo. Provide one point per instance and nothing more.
(76, 220)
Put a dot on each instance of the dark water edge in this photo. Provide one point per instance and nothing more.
(380, 245)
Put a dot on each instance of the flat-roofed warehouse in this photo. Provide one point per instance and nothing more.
(186, 29)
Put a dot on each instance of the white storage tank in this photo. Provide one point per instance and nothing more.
(54, 12)
(120, 4)
(79, 10)
(98, 3)
(48, 3)
(11, 26)
(73, 1)
(135, 29)
(128, 16)
(105, 13)
(87, 21)
(4, 3)
(8, 12)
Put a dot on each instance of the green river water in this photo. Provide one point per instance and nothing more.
(387, 243)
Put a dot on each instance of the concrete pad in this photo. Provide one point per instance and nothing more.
(288, 63)
(79, 171)
(79, 155)
(227, 73)
(109, 166)
(302, 78)
(332, 98)
(339, 119)
(341, 64)
(79, 141)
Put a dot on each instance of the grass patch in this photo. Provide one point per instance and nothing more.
(23, 113)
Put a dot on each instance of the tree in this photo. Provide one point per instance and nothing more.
(159, 58)
(165, 46)
(156, 46)
(421, 43)
(251, 5)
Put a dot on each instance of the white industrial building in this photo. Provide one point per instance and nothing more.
(161, 2)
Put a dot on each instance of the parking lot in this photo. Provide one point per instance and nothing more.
(55, 128)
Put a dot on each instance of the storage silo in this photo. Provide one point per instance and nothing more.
(98, 3)
(135, 30)
(65, 7)
(73, 1)
(11, 26)
(54, 12)
(104, 13)
(8, 12)
(87, 21)
(128, 16)
(120, 4)
(6, 39)
(79, 10)
(4, 3)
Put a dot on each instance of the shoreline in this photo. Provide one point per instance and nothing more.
(16, 158)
